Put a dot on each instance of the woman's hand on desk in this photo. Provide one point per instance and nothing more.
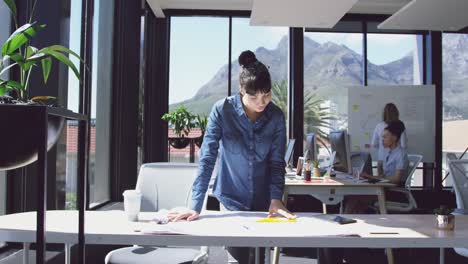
(277, 208)
(175, 216)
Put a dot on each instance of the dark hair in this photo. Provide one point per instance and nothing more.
(254, 76)
(396, 128)
(390, 113)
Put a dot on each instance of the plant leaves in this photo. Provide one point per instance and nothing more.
(7, 68)
(20, 37)
(12, 6)
(64, 59)
(30, 51)
(63, 50)
(11, 84)
(43, 97)
(46, 67)
(4, 90)
(16, 57)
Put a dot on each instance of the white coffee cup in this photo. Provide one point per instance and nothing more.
(132, 202)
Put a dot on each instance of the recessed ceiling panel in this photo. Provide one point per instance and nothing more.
(438, 15)
(299, 13)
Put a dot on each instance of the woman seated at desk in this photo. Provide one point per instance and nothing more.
(390, 114)
(394, 167)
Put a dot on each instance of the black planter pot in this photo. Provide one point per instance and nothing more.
(179, 143)
(199, 141)
(19, 135)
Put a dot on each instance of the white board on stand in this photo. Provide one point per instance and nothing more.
(416, 104)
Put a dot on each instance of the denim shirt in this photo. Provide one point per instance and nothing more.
(251, 165)
(396, 159)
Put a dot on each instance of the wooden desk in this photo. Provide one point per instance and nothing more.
(241, 229)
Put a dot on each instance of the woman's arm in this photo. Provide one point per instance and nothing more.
(277, 163)
(208, 156)
(396, 179)
(375, 138)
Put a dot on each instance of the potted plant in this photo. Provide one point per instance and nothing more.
(18, 53)
(444, 218)
(201, 121)
(181, 121)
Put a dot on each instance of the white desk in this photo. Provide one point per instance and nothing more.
(241, 229)
(333, 190)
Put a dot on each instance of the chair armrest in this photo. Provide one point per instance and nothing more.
(459, 211)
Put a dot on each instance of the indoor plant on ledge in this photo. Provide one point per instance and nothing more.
(181, 121)
(201, 122)
(17, 53)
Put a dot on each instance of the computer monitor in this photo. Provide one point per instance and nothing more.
(310, 147)
(339, 141)
(289, 151)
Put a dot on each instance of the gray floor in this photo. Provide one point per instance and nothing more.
(218, 255)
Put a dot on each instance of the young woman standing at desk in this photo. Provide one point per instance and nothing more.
(250, 132)
(390, 114)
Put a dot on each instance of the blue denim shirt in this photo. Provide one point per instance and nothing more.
(396, 159)
(251, 166)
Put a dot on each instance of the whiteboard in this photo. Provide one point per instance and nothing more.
(416, 104)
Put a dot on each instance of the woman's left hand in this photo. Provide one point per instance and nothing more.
(277, 208)
(366, 176)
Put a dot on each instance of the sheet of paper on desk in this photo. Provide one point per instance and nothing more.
(303, 226)
(157, 229)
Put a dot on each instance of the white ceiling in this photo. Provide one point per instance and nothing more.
(300, 13)
(416, 14)
(446, 15)
(362, 6)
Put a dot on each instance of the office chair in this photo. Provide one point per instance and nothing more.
(459, 172)
(163, 185)
(401, 207)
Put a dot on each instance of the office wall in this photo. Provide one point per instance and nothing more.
(416, 105)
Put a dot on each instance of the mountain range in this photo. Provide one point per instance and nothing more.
(329, 67)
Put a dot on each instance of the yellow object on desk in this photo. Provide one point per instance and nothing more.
(276, 220)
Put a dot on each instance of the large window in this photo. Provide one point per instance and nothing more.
(199, 72)
(455, 96)
(99, 141)
(99, 154)
(4, 33)
(67, 148)
(394, 59)
(198, 68)
(332, 62)
(271, 46)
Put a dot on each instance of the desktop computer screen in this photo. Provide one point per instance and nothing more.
(339, 141)
(310, 147)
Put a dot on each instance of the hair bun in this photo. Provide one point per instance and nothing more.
(246, 58)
